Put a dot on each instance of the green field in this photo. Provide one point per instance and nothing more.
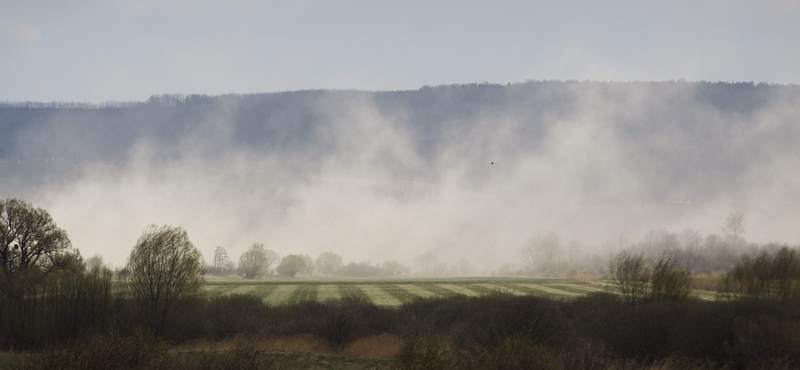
(393, 292)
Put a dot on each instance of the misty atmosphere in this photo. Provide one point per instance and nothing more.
(372, 185)
(468, 172)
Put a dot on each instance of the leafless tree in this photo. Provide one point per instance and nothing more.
(95, 263)
(690, 239)
(734, 230)
(393, 267)
(668, 281)
(774, 276)
(328, 262)
(221, 265)
(308, 265)
(462, 267)
(631, 274)
(528, 254)
(31, 247)
(428, 263)
(538, 253)
(573, 250)
(166, 270)
(616, 243)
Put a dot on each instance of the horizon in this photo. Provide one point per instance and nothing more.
(124, 50)
(69, 104)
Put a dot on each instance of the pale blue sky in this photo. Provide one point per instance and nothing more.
(128, 50)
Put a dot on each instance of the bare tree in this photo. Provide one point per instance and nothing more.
(734, 230)
(428, 263)
(616, 243)
(462, 267)
(668, 281)
(659, 241)
(539, 252)
(393, 267)
(95, 263)
(308, 265)
(31, 247)
(528, 254)
(631, 274)
(573, 250)
(690, 239)
(774, 276)
(221, 265)
(256, 261)
(328, 262)
(166, 270)
(291, 265)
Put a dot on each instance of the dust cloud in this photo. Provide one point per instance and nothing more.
(372, 184)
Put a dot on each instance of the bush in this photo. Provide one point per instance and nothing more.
(519, 353)
(236, 313)
(765, 343)
(340, 322)
(774, 276)
(139, 351)
(631, 273)
(669, 282)
(425, 352)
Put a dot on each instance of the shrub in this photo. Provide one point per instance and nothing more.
(519, 353)
(631, 273)
(138, 351)
(340, 322)
(774, 276)
(765, 343)
(425, 352)
(669, 282)
(236, 313)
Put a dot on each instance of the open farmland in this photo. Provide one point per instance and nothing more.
(393, 292)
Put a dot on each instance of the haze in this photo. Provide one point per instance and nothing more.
(466, 171)
(378, 167)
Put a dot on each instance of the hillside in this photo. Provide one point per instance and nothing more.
(378, 171)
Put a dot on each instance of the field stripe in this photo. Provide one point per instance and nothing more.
(353, 292)
(402, 295)
(242, 289)
(541, 290)
(578, 289)
(500, 288)
(327, 292)
(480, 289)
(263, 291)
(281, 293)
(398, 291)
(302, 293)
(437, 290)
(378, 296)
(461, 289)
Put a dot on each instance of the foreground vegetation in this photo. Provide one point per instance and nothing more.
(60, 312)
(496, 331)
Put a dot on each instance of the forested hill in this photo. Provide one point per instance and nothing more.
(675, 141)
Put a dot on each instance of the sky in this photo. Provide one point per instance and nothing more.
(85, 50)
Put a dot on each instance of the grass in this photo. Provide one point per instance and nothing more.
(396, 291)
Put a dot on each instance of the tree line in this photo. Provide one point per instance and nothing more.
(51, 296)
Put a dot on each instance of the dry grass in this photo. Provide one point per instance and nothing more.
(299, 343)
(707, 282)
(378, 347)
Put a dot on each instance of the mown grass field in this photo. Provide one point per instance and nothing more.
(393, 292)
